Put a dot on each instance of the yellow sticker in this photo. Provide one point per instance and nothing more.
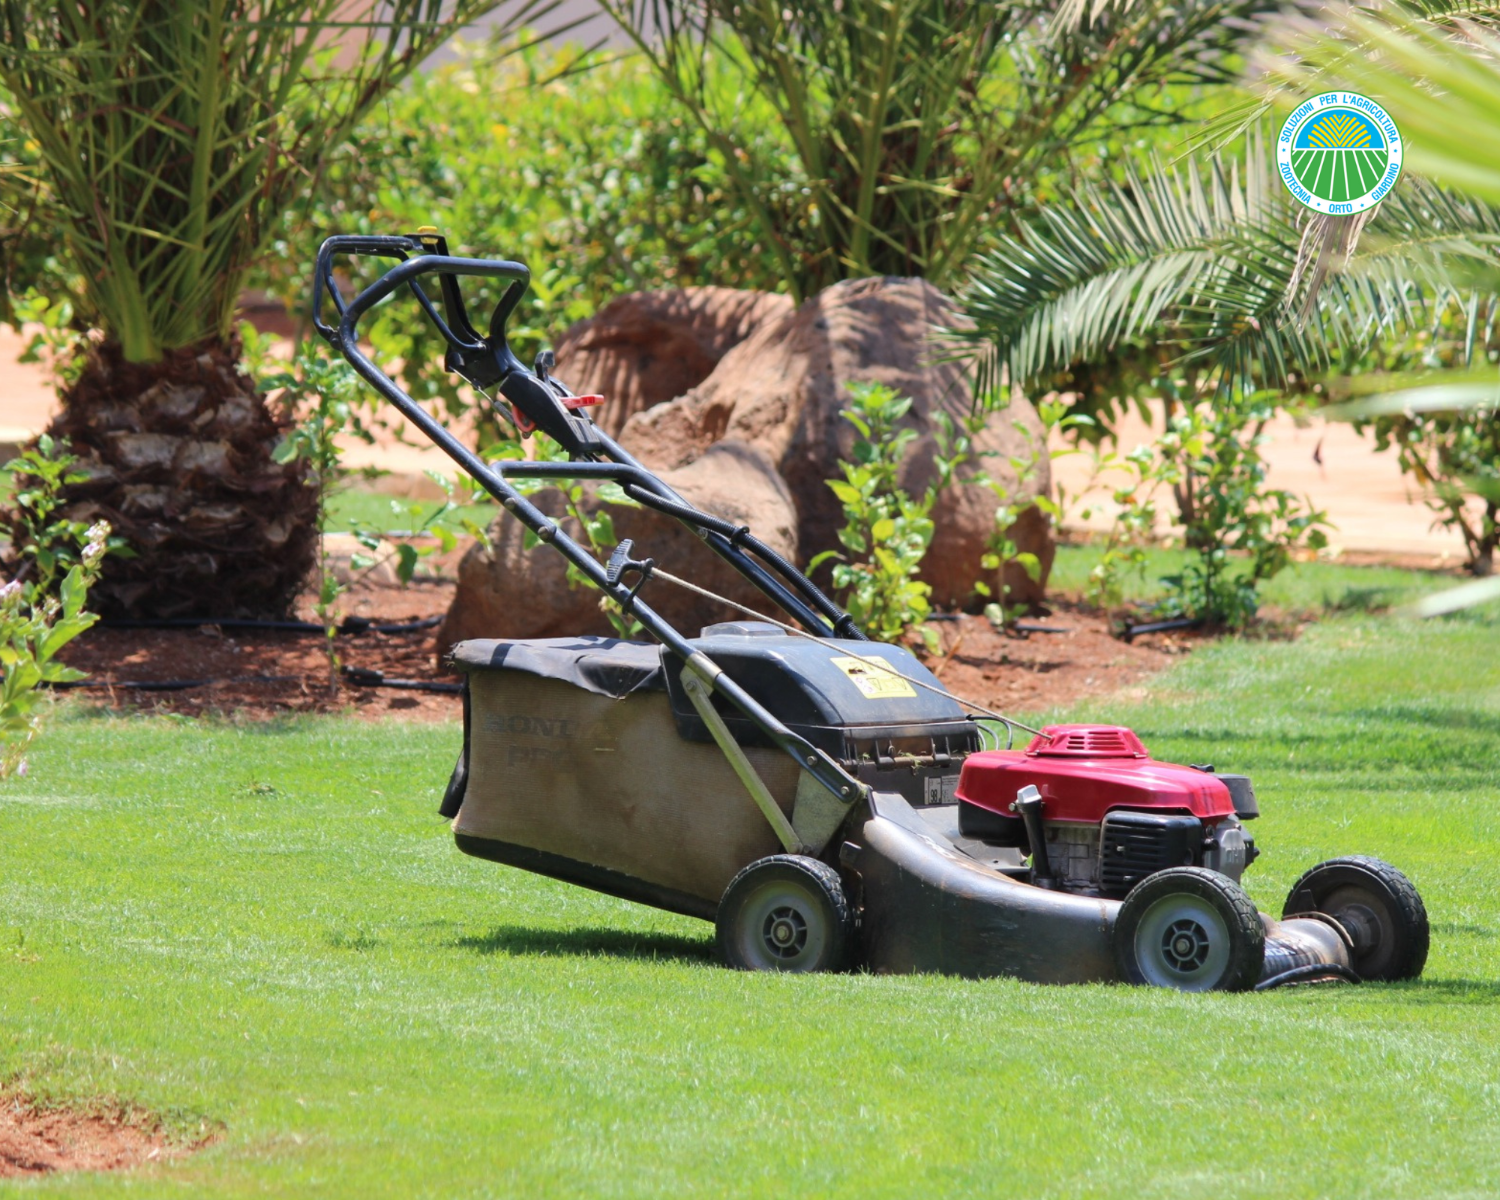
(874, 683)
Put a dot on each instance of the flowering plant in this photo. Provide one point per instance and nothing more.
(34, 626)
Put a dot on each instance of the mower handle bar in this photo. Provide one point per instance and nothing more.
(484, 362)
(728, 541)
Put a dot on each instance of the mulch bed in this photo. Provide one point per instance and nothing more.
(1026, 672)
(263, 674)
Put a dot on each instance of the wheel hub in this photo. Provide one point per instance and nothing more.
(1362, 924)
(785, 932)
(1185, 945)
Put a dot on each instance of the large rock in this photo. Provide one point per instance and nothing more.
(642, 349)
(782, 389)
(509, 591)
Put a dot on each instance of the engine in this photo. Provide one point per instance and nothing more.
(1106, 814)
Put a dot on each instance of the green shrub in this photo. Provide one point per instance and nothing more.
(886, 528)
(1238, 532)
(41, 608)
(919, 128)
(590, 177)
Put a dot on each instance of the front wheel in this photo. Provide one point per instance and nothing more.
(1190, 929)
(1378, 908)
(787, 912)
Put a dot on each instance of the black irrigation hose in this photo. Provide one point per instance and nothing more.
(356, 676)
(1131, 632)
(368, 677)
(348, 626)
(1308, 973)
(169, 685)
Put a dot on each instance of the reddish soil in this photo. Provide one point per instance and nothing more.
(1015, 672)
(39, 1141)
(262, 674)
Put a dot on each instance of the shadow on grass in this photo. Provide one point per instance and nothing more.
(1446, 991)
(616, 943)
(1453, 927)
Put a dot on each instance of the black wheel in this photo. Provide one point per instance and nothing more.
(1190, 929)
(785, 913)
(1378, 908)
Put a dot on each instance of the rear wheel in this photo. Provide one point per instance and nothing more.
(785, 913)
(1378, 908)
(1190, 929)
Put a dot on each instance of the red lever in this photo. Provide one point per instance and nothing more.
(524, 427)
(572, 403)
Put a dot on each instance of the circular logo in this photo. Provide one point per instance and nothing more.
(1339, 153)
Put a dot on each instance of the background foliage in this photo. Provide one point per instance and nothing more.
(589, 175)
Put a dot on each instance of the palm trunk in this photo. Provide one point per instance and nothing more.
(178, 458)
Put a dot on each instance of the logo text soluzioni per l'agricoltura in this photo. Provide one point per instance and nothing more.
(1339, 153)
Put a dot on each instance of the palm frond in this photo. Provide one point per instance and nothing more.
(1212, 264)
(1432, 64)
(174, 132)
(912, 123)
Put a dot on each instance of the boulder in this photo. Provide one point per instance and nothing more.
(642, 349)
(782, 389)
(509, 591)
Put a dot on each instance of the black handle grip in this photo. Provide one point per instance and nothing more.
(418, 259)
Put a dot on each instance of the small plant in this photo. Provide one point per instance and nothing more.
(333, 391)
(1239, 533)
(34, 626)
(882, 524)
(595, 523)
(1003, 549)
(1134, 526)
(1455, 456)
(46, 543)
(42, 608)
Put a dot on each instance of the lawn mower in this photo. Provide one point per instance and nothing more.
(820, 797)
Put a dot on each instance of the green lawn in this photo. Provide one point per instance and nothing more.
(1303, 588)
(268, 928)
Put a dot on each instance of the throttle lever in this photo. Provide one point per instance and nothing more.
(619, 559)
(620, 562)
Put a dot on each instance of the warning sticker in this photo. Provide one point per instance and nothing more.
(873, 682)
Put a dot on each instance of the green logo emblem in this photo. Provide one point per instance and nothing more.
(1339, 153)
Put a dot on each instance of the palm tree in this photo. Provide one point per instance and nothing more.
(914, 129)
(1213, 268)
(171, 134)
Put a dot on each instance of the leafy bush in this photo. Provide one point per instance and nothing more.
(591, 177)
(41, 609)
(1239, 532)
(886, 527)
(910, 129)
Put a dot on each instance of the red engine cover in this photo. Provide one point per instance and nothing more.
(1083, 771)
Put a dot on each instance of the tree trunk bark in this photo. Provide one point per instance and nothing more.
(177, 455)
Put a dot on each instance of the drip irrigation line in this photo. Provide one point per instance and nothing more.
(368, 677)
(349, 626)
(167, 685)
(355, 676)
(879, 664)
(1131, 632)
